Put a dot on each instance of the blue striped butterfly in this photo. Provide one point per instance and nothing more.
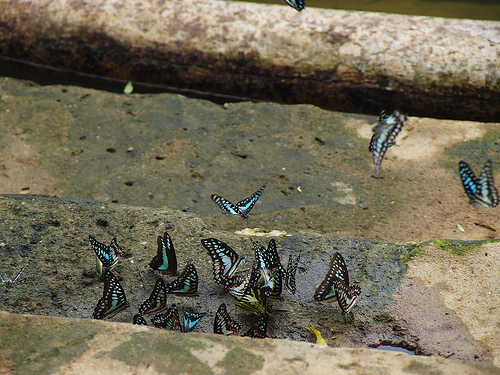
(291, 270)
(259, 329)
(169, 320)
(9, 283)
(242, 207)
(186, 284)
(225, 260)
(191, 320)
(113, 299)
(338, 277)
(223, 324)
(385, 132)
(479, 190)
(165, 260)
(268, 258)
(139, 320)
(157, 301)
(107, 255)
(254, 301)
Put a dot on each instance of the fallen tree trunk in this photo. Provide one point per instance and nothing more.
(349, 61)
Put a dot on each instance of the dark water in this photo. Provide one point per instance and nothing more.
(472, 9)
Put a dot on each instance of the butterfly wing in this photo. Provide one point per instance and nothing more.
(157, 301)
(296, 4)
(225, 205)
(384, 136)
(487, 195)
(259, 329)
(186, 284)
(165, 261)
(346, 294)
(325, 290)
(168, 320)
(115, 252)
(291, 270)
(225, 259)
(101, 251)
(254, 302)
(246, 205)
(191, 320)
(139, 320)
(113, 300)
(223, 324)
(469, 180)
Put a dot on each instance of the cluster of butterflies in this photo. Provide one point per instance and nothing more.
(480, 190)
(253, 290)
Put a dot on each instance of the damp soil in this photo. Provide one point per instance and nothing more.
(134, 166)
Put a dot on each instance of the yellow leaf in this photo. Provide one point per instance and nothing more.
(129, 87)
(319, 339)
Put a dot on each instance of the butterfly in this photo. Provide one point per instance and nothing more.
(254, 301)
(186, 284)
(169, 320)
(165, 260)
(479, 190)
(225, 260)
(296, 4)
(139, 320)
(291, 269)
(223, 324)
(157, 301)
(113, 299)
(191, 319)
(259, 329)
(338, 277)
(9, 283)
(268, 258)
(242, 207)
(238, 285)
(385, 132)
(107, 255)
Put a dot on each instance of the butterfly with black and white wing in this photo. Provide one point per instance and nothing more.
(157, 301)
(238, 285)
(259, 329)
(165, 260)
(186, 284)
(385, 132)
(223, 323)
(113, 299)
(291, 270)
(8, 282)
(338, 276)
(225, 260)
(242, 207)
(107, 255)
(479, 190)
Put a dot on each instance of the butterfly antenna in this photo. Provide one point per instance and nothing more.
(22, 269)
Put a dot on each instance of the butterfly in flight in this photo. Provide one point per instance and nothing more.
(165, 260)
(242, 207)
(385, 132)
(8, 282)
(298, 5)
(107, 255)
(169, 320)
(479, 190)
(254, 301)
(338, 277)
(139, 320)
(259, 329)
(191, 320)
(157, 301)
(225, 260)
(186, 284)
(223, 324)
(113, 299)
